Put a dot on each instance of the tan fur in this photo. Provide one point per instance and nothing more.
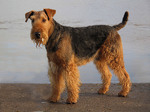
(37, 26)
(57, 81)
(111, 55)
(63, 64)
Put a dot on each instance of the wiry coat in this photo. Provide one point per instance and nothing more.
(69, 47)
(85, 41)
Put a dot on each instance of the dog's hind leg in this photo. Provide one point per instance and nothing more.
(105, 75)
(123, 76)
(116, 63)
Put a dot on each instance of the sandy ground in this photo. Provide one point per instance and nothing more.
(32, 98)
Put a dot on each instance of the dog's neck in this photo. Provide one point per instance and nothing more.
(54, 37)
(54, 30)
(51, 30)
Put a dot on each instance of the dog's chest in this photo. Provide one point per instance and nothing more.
(62, 55)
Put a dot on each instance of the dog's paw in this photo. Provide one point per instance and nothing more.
(52, 100)
(122, 94)
(71, 101)
(101, 92)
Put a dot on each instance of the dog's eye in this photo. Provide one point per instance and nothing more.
(32, 20)
(44, 20)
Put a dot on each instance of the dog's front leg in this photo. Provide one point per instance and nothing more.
(57, 82)
(73, 83)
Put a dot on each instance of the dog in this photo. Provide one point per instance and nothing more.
(70, 47)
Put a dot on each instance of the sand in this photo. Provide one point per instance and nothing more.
(32, 98)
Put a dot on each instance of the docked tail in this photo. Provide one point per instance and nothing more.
(124, 21)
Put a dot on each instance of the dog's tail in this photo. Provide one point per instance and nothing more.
(123, 23)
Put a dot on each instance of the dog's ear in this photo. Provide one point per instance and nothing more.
(28, 15)
(50, 13)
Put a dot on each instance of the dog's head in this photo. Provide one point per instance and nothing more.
(42, 25)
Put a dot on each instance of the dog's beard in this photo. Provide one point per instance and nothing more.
(41, 41)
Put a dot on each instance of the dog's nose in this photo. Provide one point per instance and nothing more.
(37, 34)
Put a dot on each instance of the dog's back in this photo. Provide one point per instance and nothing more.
(87, 40)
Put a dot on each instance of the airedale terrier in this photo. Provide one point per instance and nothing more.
(69, 47)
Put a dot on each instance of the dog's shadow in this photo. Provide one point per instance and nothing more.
(97, 95)
(82, 96)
